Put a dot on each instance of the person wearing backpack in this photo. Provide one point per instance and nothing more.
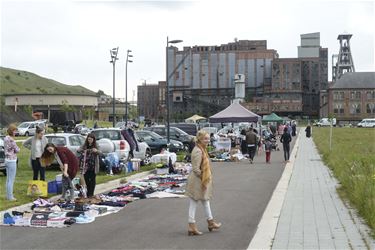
(285, 139)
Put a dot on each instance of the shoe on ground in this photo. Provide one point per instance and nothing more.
(13, 199)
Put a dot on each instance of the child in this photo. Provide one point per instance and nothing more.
(268, 148)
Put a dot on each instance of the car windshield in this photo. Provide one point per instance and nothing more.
(24, 125)
(181, 132)
(108, 134)
(154, 135)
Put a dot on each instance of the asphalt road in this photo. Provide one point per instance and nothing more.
(241, 194)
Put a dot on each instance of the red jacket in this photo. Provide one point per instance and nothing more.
(68, 157)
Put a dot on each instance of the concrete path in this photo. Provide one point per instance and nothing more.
(313, 216)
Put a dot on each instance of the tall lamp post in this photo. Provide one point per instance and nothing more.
(114, 58)
(126, 84)
(167, 83)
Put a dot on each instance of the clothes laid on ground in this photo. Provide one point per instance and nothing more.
(63, 213)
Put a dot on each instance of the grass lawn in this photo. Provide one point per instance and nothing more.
(352, 160)
(101, 124)
(25, 174)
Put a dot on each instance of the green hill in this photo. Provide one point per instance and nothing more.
(13, 81)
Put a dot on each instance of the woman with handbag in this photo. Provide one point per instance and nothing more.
(36, 146)
(68, 162)
(199, 184)
(89, 163)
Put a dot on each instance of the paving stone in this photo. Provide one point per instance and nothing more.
(313, 213)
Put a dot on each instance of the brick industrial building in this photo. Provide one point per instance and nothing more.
(296, 82)
(202, 79)
(351, 98)
(151, 101)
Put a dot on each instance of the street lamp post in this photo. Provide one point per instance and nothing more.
(114, 58)
(167, 85)
(126, 85)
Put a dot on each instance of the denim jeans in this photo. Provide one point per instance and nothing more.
(11, 167)
(286, 148)
(90, 179)
(37, 168)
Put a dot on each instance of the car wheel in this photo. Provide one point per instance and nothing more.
(4, 172)
(27, 134)
(147, 159)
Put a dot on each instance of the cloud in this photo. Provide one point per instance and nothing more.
(69, 41)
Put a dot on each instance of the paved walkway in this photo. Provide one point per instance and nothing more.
(313, 216)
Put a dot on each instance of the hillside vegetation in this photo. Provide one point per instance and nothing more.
(14, 81)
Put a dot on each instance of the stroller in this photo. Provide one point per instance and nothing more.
(273, 140)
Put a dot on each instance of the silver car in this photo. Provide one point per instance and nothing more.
(122, 146)
(73, 142)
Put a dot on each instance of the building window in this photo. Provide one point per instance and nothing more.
(338, 95)
(338, 109)
(355, 108)
(370, 95)
(370, 108)
(355, 95)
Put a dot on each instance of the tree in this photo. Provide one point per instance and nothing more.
(66, 107)
(100, 93)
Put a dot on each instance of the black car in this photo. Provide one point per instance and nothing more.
(157, 142)
(174, 133)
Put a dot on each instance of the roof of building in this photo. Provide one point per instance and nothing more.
(355, 80)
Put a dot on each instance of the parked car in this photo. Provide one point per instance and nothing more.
(326, 122)
(157, 142)
(174, 133)
(121, 125)
(82, 129)
(2, 156)
(28, 128)
(367, 123)
(189, 128)
(122, 147)
(73, 142)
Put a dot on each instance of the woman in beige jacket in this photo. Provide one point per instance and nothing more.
(199, 185)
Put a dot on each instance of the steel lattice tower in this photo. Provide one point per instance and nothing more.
(344, 59)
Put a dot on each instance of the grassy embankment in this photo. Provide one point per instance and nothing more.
(352, 160)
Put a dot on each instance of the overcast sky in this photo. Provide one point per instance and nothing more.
(69, 41)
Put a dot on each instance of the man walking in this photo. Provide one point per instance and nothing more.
(286, 138)
(251, 140)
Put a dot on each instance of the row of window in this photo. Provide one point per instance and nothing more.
(354, 108)
(353, 95)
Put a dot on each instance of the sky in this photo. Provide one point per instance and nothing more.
(69, 41)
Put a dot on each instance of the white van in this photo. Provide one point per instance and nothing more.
(367, 123)
(28, 128)
(326, 122)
